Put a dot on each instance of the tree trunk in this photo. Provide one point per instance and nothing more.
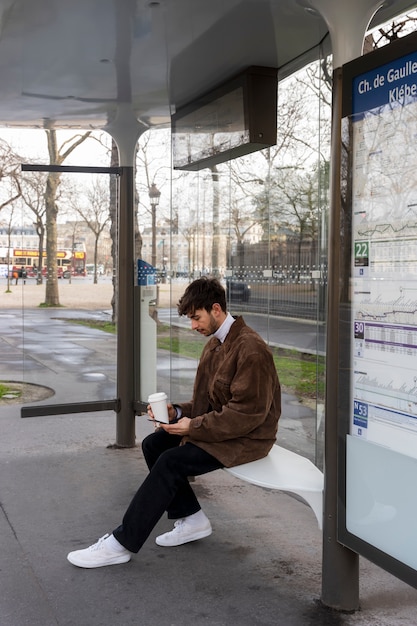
(39, 275)
(95, 258)
(138, 236)
(215, 254)
(51, 291)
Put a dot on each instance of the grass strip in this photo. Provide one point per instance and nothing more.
(6, 389)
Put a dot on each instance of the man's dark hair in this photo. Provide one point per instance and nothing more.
(202, 294)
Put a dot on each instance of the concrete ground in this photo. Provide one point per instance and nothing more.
(62, 486)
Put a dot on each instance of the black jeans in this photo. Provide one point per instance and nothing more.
(166, 488)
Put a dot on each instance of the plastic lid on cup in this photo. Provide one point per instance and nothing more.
(160, 395)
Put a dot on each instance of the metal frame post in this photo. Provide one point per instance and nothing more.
(347, 24)
(125, 423)
(340, 566)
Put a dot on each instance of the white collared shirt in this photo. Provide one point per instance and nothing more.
(222, 332)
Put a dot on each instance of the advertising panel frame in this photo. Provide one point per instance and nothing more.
(375, 476)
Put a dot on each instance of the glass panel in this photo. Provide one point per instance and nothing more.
(259, 223)
(56, 316)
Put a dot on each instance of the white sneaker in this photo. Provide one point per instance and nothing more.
(183, 532)
(98, 555)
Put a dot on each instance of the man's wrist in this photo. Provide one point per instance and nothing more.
(178, 411)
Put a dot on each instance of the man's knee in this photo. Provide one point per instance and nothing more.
(148, 444)
(154, 444)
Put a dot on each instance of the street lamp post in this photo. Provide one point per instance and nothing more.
(154, 195)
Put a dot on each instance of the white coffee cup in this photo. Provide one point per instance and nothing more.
(158, 402)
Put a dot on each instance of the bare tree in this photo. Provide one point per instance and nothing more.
(9, 235)
(150, 168)
(9, 174)
(10, 182)
(33, 194)
(260, 178)
(57, 155)
(390, 32)
(96, 213)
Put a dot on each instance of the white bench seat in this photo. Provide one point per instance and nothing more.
(286, 471)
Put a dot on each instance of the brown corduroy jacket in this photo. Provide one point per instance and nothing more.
(236, 401)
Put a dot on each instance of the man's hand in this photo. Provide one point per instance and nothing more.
(181, 427)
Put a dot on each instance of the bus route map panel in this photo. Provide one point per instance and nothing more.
(384, 272)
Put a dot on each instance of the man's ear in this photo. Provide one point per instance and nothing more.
(216, 308)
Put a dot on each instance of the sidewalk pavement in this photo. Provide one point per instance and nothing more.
(62, 487)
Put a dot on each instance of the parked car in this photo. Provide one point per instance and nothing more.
(237, 290)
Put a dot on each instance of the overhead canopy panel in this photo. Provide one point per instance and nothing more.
(75, 62)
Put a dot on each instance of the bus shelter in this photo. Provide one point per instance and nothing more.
(124, 67)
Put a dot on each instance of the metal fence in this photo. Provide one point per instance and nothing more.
(288, 291)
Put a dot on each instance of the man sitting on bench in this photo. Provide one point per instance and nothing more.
(231, 419)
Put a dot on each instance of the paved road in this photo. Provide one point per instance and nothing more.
(284, 332)
(304, 335)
